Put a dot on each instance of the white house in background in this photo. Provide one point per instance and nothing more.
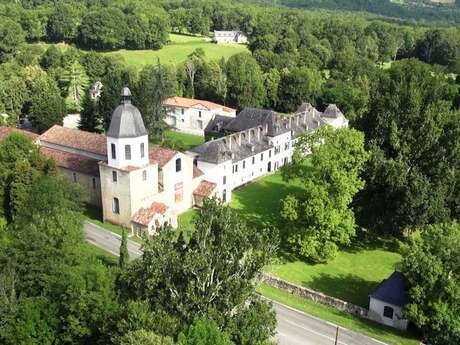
(388, 300)
(230, 37)
(254, 143)
(193, 115)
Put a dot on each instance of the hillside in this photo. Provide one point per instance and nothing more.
(422, 10)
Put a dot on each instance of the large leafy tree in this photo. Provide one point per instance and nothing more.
(211, 276)
(64, 21)
(103, 29)
(296, 86)
(412, 135)
(245, 81)
(11, 38)
(319, 217)
(431, 266)
(20, 163)
(47, 106)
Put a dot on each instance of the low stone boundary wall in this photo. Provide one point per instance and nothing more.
(315, 296)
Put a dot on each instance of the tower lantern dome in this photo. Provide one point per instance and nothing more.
(127, 138)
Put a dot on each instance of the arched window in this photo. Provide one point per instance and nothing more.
(178, 165)
(127, 152)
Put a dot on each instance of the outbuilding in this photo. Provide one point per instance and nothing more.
(388, 300)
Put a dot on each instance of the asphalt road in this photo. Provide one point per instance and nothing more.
(294, 327)
(109, 241)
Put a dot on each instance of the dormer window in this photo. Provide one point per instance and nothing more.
(142, 150)
(114, 153)
(128, 152)
(178, 165)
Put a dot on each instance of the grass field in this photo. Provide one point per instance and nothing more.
(187, 140)
(107, 258)
(367, 327)
(351, 276)
(177, 51)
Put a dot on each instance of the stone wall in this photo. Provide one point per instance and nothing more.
(316, 296)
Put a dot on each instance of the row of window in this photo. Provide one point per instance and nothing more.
(115, 176)
(127, 151)
(235, 166)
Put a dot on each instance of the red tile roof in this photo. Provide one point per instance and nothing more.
(190, 102)
(205, 188)
(161, 155)
(6, 131)
(197, 172)
(73, 161)
(74, 138)
(145, 215)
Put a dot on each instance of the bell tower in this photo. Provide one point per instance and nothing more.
(127, 138)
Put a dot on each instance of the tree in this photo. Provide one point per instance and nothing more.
(76, 82)
(12, 37)
(432, 271)
(156, 83)
(204, 332)
(411, 176)
(52, 58)
(63, 22)
(124, 254)
(104, 29)
(210, 82)
(144, 337)
(319, 217)
(211, 276)
(47, 106)
(296, 86)
(91, 119)
(20, 164)
(438, 47)
(244, 81)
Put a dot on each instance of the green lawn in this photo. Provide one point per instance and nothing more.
(105, 257)
(367, 327)
(188, 141)
(177, 51)
(351, 276)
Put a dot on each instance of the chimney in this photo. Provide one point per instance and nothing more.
(230, 143)
(290, 121)
(239, 138)
(259, 131)
(297, 120)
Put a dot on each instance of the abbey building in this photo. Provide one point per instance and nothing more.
(141, 186)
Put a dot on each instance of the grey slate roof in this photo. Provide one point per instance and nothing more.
(126, 119)
(250, 118)
(218, 123)
(332, 111)
(392, 290)
(214, 151)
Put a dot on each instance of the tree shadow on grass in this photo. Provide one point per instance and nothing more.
(349, 287)
(260, 202)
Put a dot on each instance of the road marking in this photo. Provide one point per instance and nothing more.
(312, 331)
(350, 332)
